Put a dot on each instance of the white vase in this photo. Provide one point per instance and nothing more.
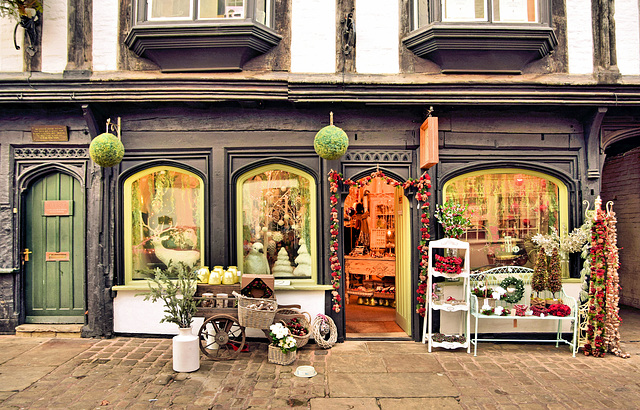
(186, 353)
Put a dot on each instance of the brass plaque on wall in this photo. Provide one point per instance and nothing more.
(48, 133)
(57, 256)
(58, 208)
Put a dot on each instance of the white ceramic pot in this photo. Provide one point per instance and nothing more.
(186, 353)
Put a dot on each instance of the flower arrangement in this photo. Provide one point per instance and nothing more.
(487, 310)
(451, 265)
(480, 290)
(281, 338)
(296, 327)
(501, 311)
(452, 218)
(422, 186)
(559, 309)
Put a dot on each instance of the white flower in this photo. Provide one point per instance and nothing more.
(486, 306)
(498, 311)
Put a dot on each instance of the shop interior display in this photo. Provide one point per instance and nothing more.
(452, 263)
(369, 243)
(506, 210)
(276, 225)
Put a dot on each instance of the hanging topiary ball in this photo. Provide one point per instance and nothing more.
(331, 142)
(106, 150)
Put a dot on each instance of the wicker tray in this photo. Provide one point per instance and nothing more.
(249, 316)
(362, 293)
(383, 295)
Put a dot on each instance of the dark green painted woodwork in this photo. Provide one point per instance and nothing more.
(54, 290)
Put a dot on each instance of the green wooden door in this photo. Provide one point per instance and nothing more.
(54, 271)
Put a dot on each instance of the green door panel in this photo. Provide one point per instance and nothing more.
(54, 289)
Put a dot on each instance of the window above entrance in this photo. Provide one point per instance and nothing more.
(163, 221)
(481, 35)
(202, 35)
(507, 207)
(276, 223)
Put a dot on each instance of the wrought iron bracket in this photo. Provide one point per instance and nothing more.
(29, 24)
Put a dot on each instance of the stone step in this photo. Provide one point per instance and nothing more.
(49, 330)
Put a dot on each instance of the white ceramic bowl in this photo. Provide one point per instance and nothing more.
(305, 371)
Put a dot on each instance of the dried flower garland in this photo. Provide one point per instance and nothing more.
(421, 185)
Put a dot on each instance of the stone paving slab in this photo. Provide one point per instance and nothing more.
(53, 352)
(446, 403)
(391, 385)
(17, 378)
(341, 404)
(15, 347)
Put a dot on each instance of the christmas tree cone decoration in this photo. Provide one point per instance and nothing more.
(539, 278)
(554, 279)
(331, 142)
(604, 289)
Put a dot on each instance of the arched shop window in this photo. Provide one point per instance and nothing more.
(507, 208)
(276, 223)
(163, 221)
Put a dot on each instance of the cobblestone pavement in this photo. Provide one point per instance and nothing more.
(135, 373)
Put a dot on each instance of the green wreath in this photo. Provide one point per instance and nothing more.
(517, 294)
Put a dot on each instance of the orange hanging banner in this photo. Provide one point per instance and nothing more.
(429, 143)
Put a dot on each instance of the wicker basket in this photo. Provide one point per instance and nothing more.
(276, 356)
(286, 314)
(250, 316)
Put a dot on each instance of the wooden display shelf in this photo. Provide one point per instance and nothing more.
(215, 289)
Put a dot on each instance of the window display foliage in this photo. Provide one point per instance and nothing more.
(276, 220)
(507, 208)
(163, 221)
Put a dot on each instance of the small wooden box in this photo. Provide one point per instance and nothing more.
(257, 292)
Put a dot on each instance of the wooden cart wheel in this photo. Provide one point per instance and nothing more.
(221, 337)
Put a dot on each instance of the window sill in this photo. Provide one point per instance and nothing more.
(481, 48)
(145, 287)
(201, 47)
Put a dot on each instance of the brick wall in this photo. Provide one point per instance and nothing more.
(621, 184)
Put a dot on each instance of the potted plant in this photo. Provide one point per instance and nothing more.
(282, 349)
(179, 308)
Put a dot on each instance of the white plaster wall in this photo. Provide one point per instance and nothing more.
(377, 37)
(132, 314)
(105, 35)
(313, 36)
(54, 36)
(627, 37)
(450, 322)
(579, 37)
(10, 58)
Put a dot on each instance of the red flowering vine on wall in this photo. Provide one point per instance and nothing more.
(421, 185)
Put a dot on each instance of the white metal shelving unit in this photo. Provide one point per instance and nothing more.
(460, 307)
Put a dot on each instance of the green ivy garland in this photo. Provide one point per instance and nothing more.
(517, 294)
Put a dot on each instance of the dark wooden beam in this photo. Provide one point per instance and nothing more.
(90, 119)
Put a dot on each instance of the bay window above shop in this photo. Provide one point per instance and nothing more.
(499, 36)
(202, 35)
(276, 224)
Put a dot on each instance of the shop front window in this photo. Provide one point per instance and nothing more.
(507, 208)
(163, 221)
(276, 217)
